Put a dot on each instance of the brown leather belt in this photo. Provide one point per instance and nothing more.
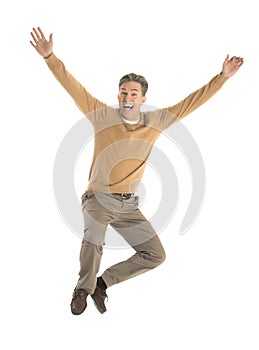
(123, 195)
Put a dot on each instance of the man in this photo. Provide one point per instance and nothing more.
(124, 138)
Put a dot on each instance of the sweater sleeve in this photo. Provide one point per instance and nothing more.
(171, 114)
(83, 99)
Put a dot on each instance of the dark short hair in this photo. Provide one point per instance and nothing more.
(138, 79)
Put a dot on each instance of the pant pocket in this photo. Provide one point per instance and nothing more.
(85, 196)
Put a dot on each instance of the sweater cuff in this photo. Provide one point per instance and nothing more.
(53, 62)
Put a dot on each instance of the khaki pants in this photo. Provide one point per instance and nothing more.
(101, 210)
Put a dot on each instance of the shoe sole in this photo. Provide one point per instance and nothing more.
(77, 314)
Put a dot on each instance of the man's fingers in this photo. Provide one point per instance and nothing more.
(240, 62)
(236, 61)
(34, 38)
(37, 34)
(32, 44)
(41, 33)
(226, 59)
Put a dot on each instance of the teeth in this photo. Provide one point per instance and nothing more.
(128, 106)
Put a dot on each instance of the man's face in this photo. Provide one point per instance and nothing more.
(130, 99)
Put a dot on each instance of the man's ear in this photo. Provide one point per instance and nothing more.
(118, 97)
(144, 99)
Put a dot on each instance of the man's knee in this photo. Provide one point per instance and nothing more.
(158, 253)
(161, 256)
(155, 257)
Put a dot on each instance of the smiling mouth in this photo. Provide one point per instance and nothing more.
(128, 106)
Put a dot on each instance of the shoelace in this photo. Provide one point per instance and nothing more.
(78, 292)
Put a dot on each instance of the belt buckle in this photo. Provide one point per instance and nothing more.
(124, 195)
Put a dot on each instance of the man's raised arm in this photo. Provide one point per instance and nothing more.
(84, 100)
(197, 98)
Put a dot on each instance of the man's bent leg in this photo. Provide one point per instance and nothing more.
(149, 250)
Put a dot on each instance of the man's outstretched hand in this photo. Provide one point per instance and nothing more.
(40, 43)
(231, 66)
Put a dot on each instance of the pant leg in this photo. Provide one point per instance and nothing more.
(96, 220)
(139, 233)
(90, 259)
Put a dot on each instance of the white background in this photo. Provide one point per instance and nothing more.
(205, 295)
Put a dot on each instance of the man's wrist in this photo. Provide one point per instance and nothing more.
(45, 57)
(224, 75)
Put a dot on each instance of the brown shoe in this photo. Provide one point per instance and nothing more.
(98, 297)
(78, 303)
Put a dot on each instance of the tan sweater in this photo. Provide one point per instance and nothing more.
(121, 150)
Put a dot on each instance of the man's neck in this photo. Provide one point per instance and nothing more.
(130, 121)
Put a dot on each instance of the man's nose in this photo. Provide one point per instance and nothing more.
(127, 98)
